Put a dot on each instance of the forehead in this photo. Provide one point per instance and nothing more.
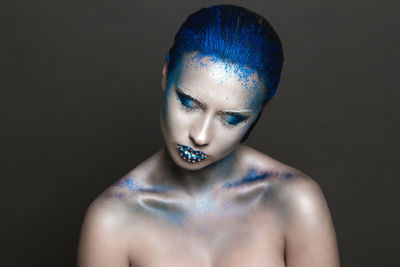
(210, 78)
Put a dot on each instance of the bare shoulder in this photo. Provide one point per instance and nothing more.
(310, 237)
(294, 179)
(103, 214)
(117, 201)
(304, 201)
(108, 220)
(255, 159)
(102, 241)
(299, 197)
(309, 234)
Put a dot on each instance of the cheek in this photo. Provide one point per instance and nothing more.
(176, 118)
(226, 139)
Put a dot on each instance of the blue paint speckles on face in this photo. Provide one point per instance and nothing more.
(234, 34)
(242, 73)
(248, 78)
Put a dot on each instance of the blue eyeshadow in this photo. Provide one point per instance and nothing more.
(186, 101)
(235, 119)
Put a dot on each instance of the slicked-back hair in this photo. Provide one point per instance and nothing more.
(233, 34)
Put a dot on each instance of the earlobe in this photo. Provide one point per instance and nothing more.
(164, 76)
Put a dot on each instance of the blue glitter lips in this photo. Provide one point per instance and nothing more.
(190, 155)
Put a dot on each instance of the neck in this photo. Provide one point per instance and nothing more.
(207, 178)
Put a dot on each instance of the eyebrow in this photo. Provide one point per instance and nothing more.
(187, 93)
(236, 113)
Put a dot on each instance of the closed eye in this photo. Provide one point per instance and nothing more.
(187, 101)
(233, 119)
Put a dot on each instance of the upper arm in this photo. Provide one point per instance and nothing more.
(310, 239)
(101, 241)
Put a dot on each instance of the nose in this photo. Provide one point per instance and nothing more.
(201, 131)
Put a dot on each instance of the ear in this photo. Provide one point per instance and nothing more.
(164, 76)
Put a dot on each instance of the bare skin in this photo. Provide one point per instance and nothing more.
(151, 217)
(236, 207)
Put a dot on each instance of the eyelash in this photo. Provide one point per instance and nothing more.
(238, 119)
(182, 99)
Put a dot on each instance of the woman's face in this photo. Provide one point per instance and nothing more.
(208, 107)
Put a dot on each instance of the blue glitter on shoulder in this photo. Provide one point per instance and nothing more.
(252, 176)
(131, 184)
(287, 175)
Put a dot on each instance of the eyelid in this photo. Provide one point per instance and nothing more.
(180, 93)
(184, 99)
(230, 113)
(240, 117)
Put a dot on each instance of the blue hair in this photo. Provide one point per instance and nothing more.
(235, 35)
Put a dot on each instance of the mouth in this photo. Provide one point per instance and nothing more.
(190, 155)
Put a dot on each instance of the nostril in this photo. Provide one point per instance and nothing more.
(194, 143)
(197, 142)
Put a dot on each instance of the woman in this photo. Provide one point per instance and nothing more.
(206, 199)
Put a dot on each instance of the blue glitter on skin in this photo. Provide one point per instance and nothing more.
(235, 35)
(161, 209)
(155, 189)
(251, 176)
(130, 184)
(175, 218)
(255, 88)
(242, 73)
(164, 210)
(250, 79)
(287, 175)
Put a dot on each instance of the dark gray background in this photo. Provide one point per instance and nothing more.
(80, 98)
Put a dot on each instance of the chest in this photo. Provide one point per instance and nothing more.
(230, 241)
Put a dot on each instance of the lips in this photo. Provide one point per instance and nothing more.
(190, 155)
